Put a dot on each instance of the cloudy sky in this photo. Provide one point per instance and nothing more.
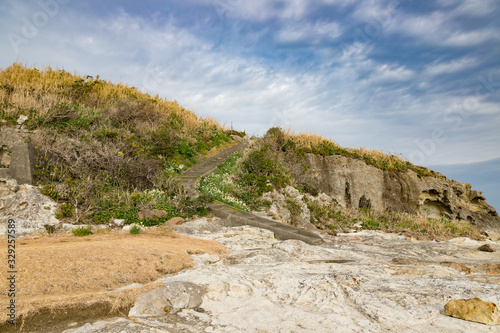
(419, 79)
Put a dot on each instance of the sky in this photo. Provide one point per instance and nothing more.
(417, 79)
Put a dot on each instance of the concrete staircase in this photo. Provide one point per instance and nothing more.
(235, 217)
(206, 167)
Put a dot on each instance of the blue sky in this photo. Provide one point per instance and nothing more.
(419, 79)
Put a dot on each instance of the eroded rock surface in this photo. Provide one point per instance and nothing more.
(353, 183)
(30, 209)
(170, 298)
(360, 282)
(474, 309)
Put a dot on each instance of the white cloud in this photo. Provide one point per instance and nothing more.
(429, 28)
(390, 73)
(439, 28)
(263, 10)
(380, 11)
(258, 10)
(471, 38)
(440, 68)
(473, 8)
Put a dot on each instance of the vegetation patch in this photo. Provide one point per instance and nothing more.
(82, 232)
(223, 185)
(135, 230)
(100, 145)
(344, 220)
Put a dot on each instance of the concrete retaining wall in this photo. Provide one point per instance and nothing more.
(17, 156)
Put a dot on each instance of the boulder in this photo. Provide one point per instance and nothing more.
(474, 309)
(151, 213)
(281, 210)
(130, 226)
(171, 298)
(486, 248)
(30, 209)
(174, 221)
(118, 222)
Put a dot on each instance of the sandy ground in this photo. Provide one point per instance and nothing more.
(57, 272)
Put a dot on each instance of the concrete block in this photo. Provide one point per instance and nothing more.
(22, 163)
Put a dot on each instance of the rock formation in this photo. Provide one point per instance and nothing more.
(353, 183)
(31, 210)
(363, 282)
(474, 309)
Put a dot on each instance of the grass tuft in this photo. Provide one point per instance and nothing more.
(82, 232)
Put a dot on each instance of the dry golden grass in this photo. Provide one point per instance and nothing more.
(311, 142)
(411, 225)
(41, 90)
(60, 271)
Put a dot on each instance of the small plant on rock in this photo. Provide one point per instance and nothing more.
(135, 230)
(50, 228)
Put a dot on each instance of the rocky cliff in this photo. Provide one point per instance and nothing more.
(353, 183)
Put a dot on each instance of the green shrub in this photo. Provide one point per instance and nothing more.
(65, 210)
(82, 231)
(262, 171)
(51, 192)
(135, 230)
(50, 228)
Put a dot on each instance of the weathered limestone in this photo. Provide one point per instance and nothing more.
(353, 183)
(349, 283)
(474, 309)
(27, 207)
(171, 298)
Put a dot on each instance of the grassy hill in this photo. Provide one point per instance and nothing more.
(101, 148)
(277, 160)
(108, 151)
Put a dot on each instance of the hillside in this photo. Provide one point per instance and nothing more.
(311, 182)
(107, 151)
(100, 147)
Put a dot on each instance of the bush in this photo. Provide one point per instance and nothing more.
(65, 210)
(50, 228)
(82, 231)
(135, 230)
